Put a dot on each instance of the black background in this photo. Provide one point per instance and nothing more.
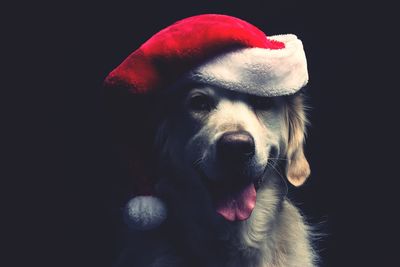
(64, 170)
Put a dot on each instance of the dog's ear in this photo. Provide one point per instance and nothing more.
(297, 167)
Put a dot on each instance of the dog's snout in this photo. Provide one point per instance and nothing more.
(237, 145)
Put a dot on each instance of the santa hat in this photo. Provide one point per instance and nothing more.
(216, 50)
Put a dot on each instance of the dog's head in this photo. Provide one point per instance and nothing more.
(229, 140)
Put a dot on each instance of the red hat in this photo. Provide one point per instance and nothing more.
(215, 49)
(211, 49)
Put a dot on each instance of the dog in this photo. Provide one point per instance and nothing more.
(223, 160)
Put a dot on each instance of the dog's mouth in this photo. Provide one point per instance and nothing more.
(236, 205)
(234, 201)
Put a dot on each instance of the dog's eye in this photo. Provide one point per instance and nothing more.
(262, 103)
(200, 103)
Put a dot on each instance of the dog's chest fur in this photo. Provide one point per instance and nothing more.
(274, 236)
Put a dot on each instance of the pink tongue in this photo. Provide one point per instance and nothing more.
(238, 207)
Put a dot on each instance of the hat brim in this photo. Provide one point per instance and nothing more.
(257, 71)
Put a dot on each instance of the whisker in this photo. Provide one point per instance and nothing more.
(280, 175)
(279, 159)
(198, 162)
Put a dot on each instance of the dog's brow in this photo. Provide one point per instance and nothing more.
(201, 89)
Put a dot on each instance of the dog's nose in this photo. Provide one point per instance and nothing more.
(235, 146)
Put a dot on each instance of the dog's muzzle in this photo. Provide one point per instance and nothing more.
(235, 193)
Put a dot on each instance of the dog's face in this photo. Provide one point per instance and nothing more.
(229, 140)
(237, 132)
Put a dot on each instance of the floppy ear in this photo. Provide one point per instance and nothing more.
(297, 167)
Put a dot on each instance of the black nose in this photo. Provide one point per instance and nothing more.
(235, 146)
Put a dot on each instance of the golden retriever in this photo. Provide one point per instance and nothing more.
(223, 159)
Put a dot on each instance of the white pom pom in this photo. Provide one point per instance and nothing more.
(145, 212)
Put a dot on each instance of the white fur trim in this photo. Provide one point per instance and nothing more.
(258, 71)
(145, 212)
